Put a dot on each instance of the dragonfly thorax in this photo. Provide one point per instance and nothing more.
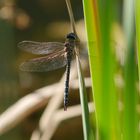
(70, 41)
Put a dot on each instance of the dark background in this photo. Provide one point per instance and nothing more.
(38, 20)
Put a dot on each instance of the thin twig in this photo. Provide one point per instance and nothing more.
(33, 102)
(56, 120)
(71, 16)
(25, 106)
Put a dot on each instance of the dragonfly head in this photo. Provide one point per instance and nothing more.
(71, 36)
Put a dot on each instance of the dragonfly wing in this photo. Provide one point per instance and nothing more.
(43, 64)
(40, 47)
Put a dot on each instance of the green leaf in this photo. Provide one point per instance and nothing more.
(84, 102)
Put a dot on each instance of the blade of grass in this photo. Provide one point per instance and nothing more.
(137, 16)
(72, 21)
(130, 127)
(102, 66)
(109, 115)
(83, 94)
(84, 102)
(91, 24)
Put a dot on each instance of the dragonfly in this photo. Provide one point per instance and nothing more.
(57, 55)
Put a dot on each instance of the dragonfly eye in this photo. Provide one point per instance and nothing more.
(71, 36)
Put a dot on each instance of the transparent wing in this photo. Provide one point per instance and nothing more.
(40, 47)
(43, 64)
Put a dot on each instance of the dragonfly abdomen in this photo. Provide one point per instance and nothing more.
(66, 93)
(67, 86)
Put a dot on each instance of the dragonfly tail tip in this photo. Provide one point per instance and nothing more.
(65, 108)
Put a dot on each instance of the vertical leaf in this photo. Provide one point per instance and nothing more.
(98, 18)
(91, 22)
(84, 102)
(82, 88)
(130, 127)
